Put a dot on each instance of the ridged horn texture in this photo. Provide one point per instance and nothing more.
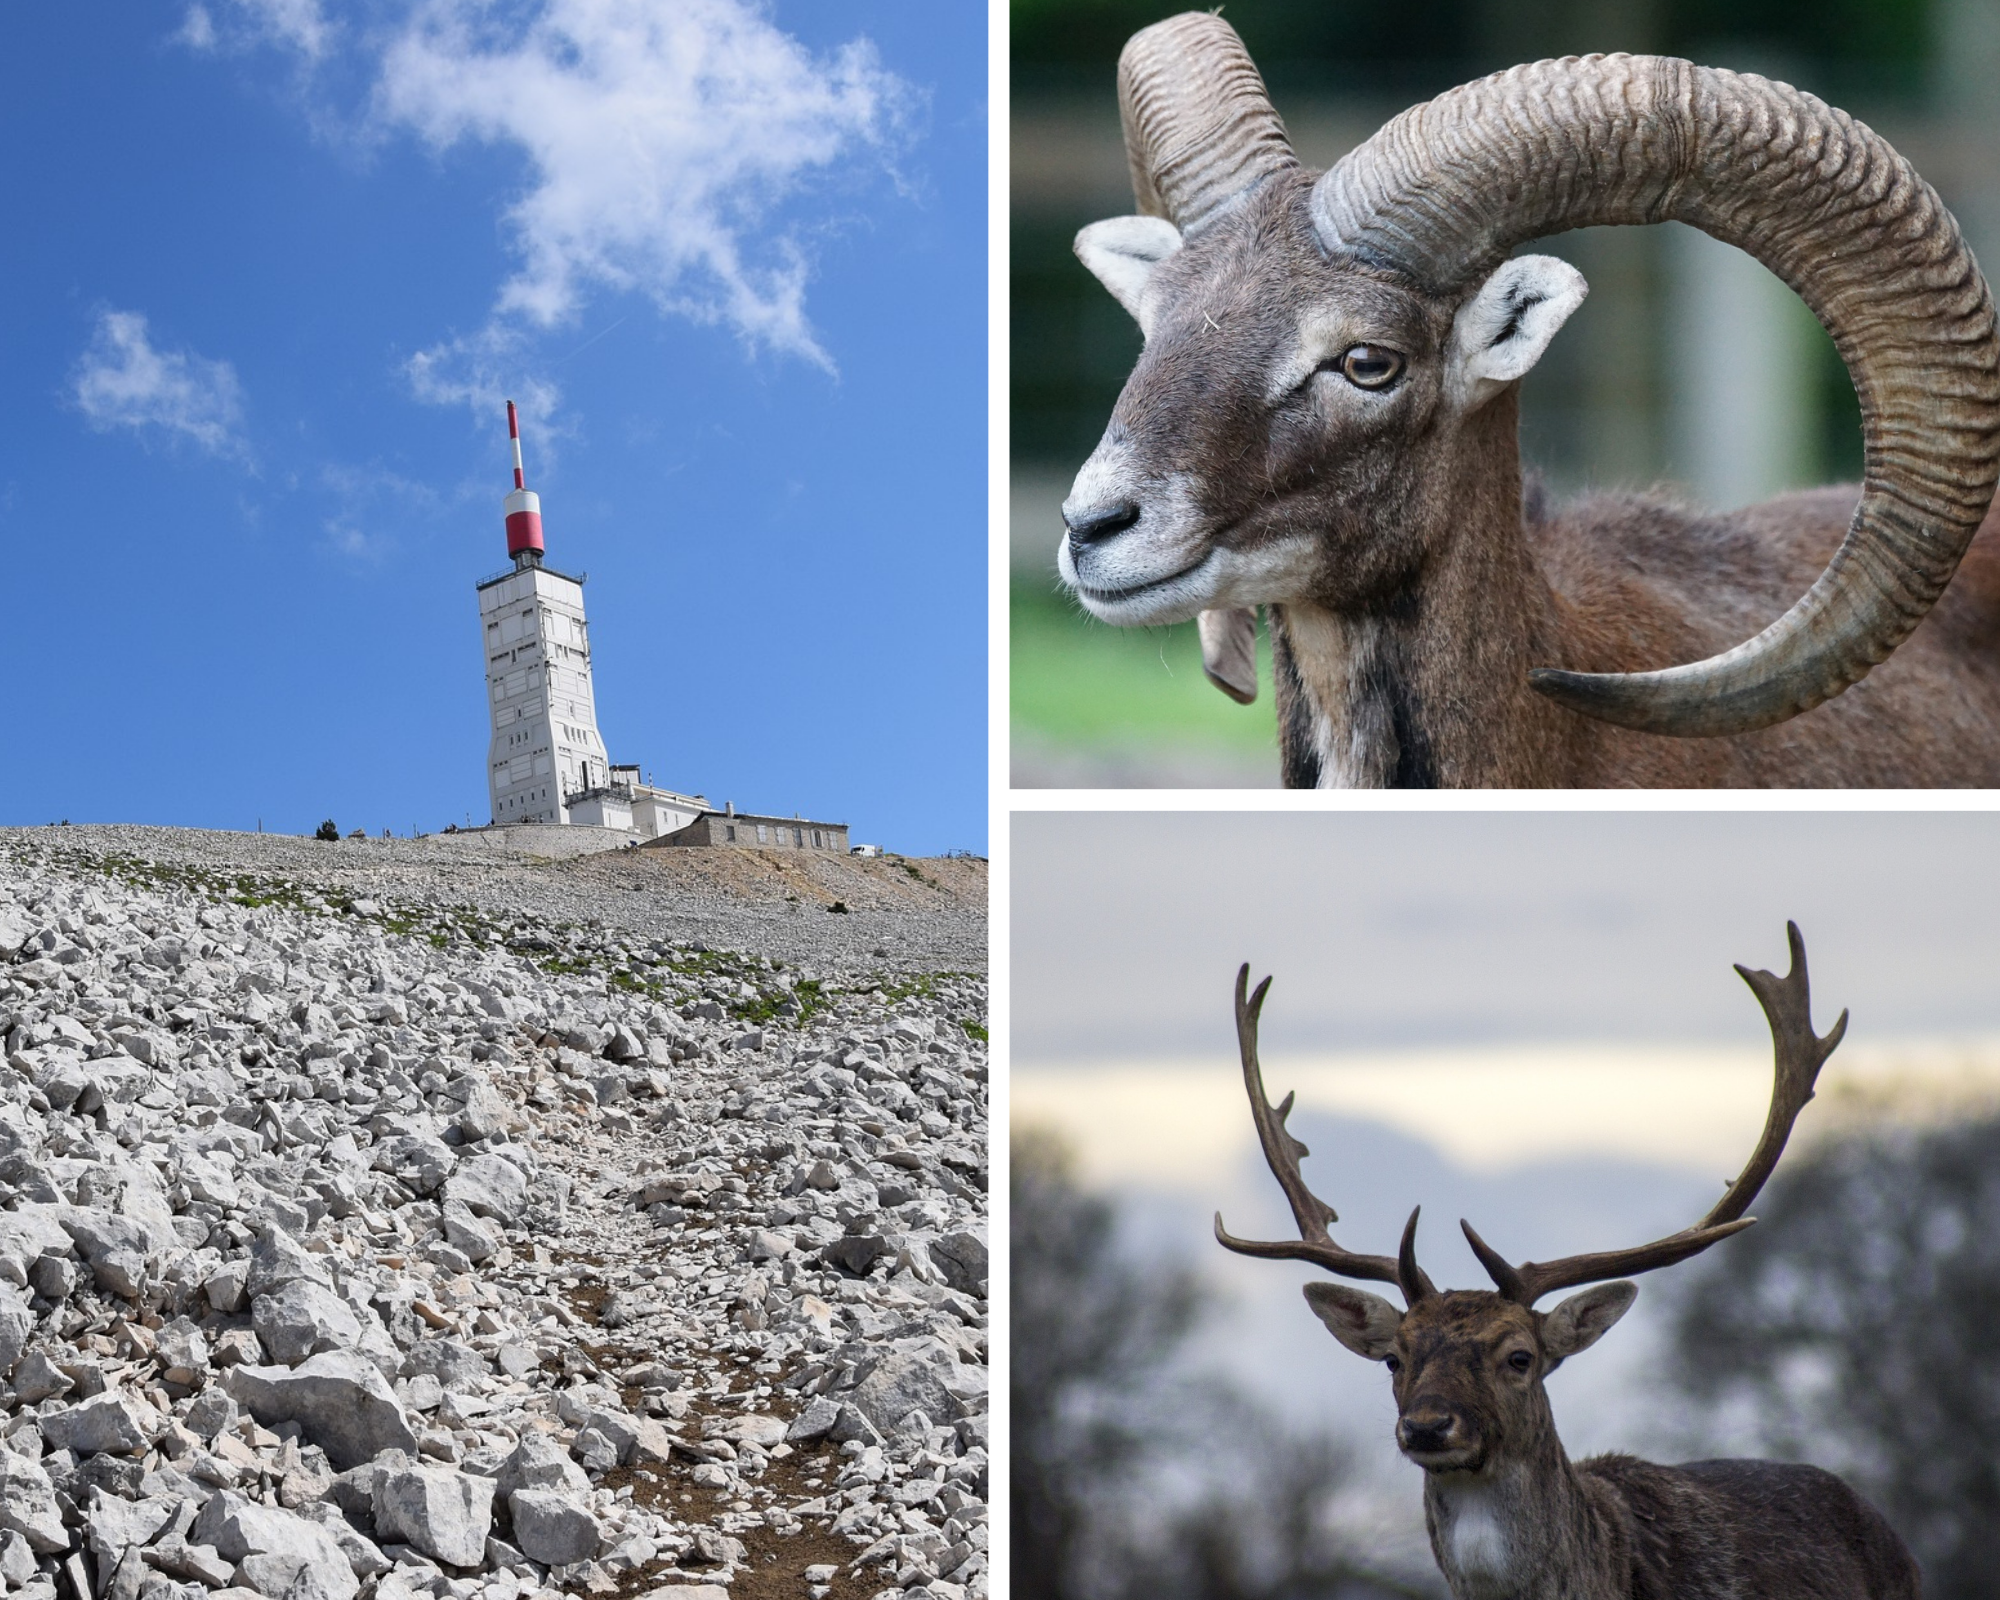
(1200, 130)
(1446, 189)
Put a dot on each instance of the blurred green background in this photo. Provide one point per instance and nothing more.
(1689, 367)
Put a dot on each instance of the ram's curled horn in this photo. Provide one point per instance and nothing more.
(1200, 130)
(1445, 190)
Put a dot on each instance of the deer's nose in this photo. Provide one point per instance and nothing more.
(1426, 1430)
(1091, 523)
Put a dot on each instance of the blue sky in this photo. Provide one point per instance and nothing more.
(275, 264)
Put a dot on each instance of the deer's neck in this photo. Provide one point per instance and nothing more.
(1523, 1528)
(1425, 684)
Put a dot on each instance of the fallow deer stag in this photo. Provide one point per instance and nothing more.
(1511, 1517)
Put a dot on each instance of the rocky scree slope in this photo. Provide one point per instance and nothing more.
(374, 1247)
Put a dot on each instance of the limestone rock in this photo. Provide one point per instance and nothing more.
(302, 1318)
(273, 1547)
(489, 1186)
(443, 1513)
(339, 1398)
(552, 1528)
(962, 1256)
(117, 1422)
(28, 1504)
(539, 1462)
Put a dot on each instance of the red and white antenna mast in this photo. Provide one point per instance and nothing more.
(524, 506)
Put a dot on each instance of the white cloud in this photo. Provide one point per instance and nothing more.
(482, 371)
(662, 142)
(124, 381)
(376, 510)
(293, 24)
(197, 29)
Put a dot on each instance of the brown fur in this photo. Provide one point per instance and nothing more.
(1611, 1527)
(1403, 643)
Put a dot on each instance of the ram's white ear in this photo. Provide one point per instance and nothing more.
(1501, 332)
(1123, 251)
(1364, 1322)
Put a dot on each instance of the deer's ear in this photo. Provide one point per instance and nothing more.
(1581, 1320)
(1364, 1322)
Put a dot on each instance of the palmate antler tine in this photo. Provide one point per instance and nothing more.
(1798, 1054)
(1282, 1152)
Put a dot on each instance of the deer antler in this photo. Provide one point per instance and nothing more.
(1283, 1151)
(1798, 1054)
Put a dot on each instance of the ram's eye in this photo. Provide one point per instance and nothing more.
(1370, 366)
(1520, 1361)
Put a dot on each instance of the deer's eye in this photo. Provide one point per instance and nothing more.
(1520, 1361)
(1371, 366)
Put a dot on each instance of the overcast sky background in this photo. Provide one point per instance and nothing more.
(1408, 930)
(275, 264)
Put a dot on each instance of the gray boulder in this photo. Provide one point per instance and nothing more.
(485, 1114)
(301, 1319)
(551, 1528)
(813, 1422)
(961, 1257)
(364, 1557)
(274, 1548)
(540, 1462)
(421, 1161)
(489, 1186)
(37, 1378)
(339, 1398)
(17, 1325)
(116, 1422)
(277, 1259)
(28, 1504)
(856, 1253)
(116, 1524)
(441, 1512)
(28, 1234)
(909, 1376)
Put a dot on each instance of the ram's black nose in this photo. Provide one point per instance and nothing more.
(1100, 522)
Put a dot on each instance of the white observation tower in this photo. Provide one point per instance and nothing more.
(546, 750)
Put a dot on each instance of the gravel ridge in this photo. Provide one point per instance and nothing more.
(917, 914)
